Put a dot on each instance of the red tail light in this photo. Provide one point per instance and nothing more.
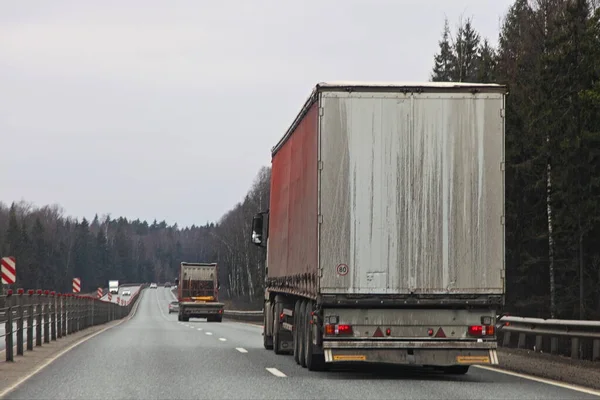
(331, 329)
(481, 330)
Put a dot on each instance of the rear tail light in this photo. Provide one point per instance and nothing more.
(481, 330)
(331, 329)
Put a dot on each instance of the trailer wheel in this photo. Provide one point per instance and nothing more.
(456, 369)
(179, 317)
(219, 318)
(295, 333)
(314, 362)
(301, 334)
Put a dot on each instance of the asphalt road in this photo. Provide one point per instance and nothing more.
(153, 356)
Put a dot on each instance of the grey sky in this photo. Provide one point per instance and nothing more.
(167, 109)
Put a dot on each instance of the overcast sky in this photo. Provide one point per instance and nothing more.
(167, 109)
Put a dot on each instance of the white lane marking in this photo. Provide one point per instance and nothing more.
(276, 372)
(241, 350)
(191, 326)
(71, 347)
(208, 333)
(199, 329)
(541, 380)
(222, 339)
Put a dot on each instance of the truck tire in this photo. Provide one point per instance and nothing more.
(456, 369)
(219, 318)
(277, 309)
(179, 317)
(267, 340)
(314, 362)
(295, 332)
(301, 334)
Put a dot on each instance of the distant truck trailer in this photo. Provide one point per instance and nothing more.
(384, 235)
(113, 287)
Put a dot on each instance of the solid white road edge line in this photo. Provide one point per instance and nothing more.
(71, 347)
(241, 350)
(542, 380)
(276, 372)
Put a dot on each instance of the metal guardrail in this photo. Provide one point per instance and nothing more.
(583, 336)
(53, 316)
(254, 316)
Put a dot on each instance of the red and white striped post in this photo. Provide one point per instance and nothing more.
(76, 285)
(99, 293)
(9, 270)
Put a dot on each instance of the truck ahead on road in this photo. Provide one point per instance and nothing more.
(198, 292)
(113, 287)
(384, 235)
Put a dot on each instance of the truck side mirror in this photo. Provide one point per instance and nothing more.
(257, 230)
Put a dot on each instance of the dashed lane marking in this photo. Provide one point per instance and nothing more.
(222, 339)
(276, 372)
(241, 350)
(208, 333)
(199, 329)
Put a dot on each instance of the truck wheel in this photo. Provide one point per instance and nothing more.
(185, 318)
(267, 340)
(219, 318)
(277, 327)
(456, 370)
(314, 362)
(179, 318)
(295, 332)
(301, 334)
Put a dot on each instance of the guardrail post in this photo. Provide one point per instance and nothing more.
(538, 343)
(46, 316)
(596, 350)
(38, 314)
(522, 342)
(20, 322)
(506, 339)
(30, 319)
(64, 314)
(9, 326)
(93, 304)
(69, 313)
(575, 348)
(53, 316)
(553, 345)
(59, 315)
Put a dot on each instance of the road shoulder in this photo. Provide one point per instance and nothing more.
(13, 372)
(562, 369)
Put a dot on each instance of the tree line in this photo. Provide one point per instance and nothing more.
(548, 54)
(51, 248)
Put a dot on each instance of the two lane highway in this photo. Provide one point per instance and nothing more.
(153, 356)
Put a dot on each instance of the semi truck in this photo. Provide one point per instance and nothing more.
(384, 235)
(113, 287)
(198, 292)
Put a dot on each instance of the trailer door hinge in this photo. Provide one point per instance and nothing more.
(320, 218)
(321, 111)
(320, 165)
(502, 220)
(502, 166)
(502, 113)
